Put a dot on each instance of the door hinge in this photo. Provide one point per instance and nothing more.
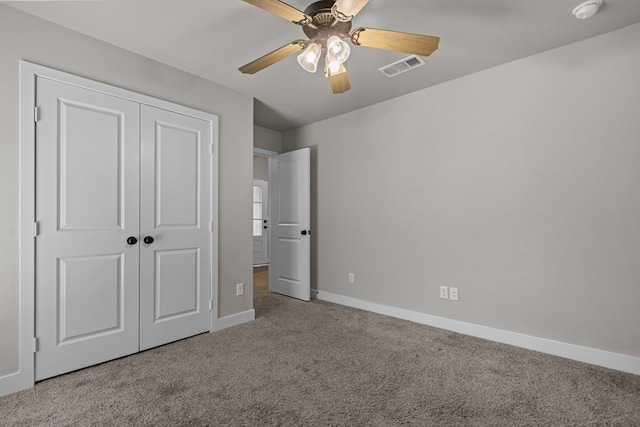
(35, 344)
(210, 148)
(36, 114)
(211, 226)
(210, 305)
(36, 229)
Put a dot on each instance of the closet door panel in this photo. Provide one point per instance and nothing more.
(87, 165)
(175, 200)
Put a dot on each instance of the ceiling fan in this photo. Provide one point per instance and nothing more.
(326, 24)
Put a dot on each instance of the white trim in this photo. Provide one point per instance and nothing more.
(215, 165)
(96, 86)
(261, 152)
(235, 320)
(620, 362)
(24, 377)
(14, 382)
(29, 72)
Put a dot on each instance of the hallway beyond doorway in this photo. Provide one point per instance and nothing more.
(260, 280)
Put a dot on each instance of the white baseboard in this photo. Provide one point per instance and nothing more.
(233, 320)
(15, 382)
(593, 356)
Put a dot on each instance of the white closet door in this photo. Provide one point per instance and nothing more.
(87, 157)
(175, 199)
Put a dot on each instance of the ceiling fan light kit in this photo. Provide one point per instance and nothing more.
(309, 58)
(327, 23)
(338, 49)
(587, 9)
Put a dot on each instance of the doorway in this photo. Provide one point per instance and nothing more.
(260, 280)
(260, 206)
(260, 222)
(288, 222)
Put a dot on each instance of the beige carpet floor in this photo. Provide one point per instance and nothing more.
(320, 364)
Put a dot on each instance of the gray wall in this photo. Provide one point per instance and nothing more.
(266, 139)
(520, 185)
(25, 37)
(261, 168)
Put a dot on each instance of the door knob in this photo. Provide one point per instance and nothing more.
(132, 240)
(265, 227)
(148, 240)
(303, 232)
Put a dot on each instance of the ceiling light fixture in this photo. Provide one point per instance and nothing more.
(309, 58)
(338, 49)
(333, 65)
(587, 9)
(336, 53)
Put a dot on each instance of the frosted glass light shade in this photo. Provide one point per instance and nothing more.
(309, 58)
(338, 49)
(587, 9)
(333, 65)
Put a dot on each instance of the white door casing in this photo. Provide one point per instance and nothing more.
(175, 211)
(260, 222)
(86, 208)
(86, 156)
(290, 249)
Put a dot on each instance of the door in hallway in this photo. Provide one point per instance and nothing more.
(260, 223)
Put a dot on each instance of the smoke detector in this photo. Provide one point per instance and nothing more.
(587, 9)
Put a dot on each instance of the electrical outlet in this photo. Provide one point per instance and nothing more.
(352, 278)
(453, 294)
(239, 289)
(444, 292)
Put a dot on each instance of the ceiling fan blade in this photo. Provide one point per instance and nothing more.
(350, 7)
(281, 9)
(417, 44)
(340, 81)
(273, 57)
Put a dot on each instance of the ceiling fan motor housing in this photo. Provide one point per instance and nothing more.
(325, 22)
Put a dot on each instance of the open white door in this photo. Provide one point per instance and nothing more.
(289, 215)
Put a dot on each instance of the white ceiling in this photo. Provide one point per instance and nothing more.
(212, 38)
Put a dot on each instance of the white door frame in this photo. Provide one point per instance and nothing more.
(27, 230)
(261, 152)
